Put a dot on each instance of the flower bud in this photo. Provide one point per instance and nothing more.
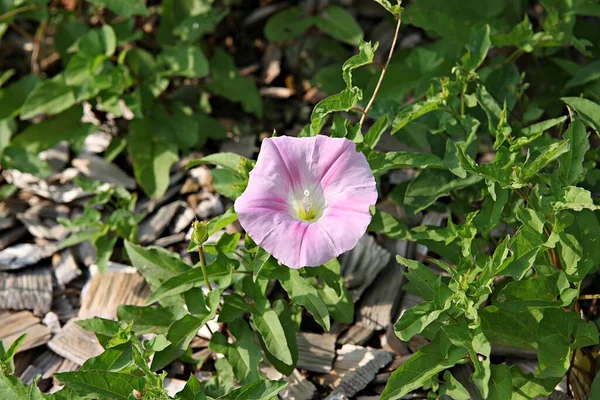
(200, 234)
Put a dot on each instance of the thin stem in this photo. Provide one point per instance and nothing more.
(589, 297)
(16, 11)
(383, 71)
(22, 32)
(37, 43)
(203, 266)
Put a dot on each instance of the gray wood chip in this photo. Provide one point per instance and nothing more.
(45, 365)
(315, 352)
(41, 223)
(210, 205)
(59, 193)
(298, 388)
(361, 265)
(97, 168)
(242, 145)
(14, 324)
(11, 236)
(65, 267)
(96, 142)
(27, 290)
(99, 298)
(377, 307)
(23, 254)
(152, 227)
(354, 368)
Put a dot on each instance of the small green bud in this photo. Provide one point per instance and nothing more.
(200, 234)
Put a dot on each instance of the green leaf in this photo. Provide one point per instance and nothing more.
(182, 332)
(579, 246)
(155, 263)
(540, 292)
(414, 111)
(124, 8)
(152, 158)
(45, 135)
(104, 248)
(421, 277)
(595, 389)
(102, 326)
(587, 74)
(177, 285)
(430, 185)
(260, 259)
(524, 247)
(7, 128)
(5, 76)
(453, 388)
(6, 357)
(426, 363)
(274, 338)
(376, 131)
(574, 198)
(526, 386)
(304, 294)
(11, 387)
(340, 24)
(510, 327)
(243, 355)
(113, 385)
(476, 344)
(114, 359)
(534, 131)
(96, 42)
(521, 35)
(234, 306)
(477, 48)
(149, 319)
(259, 390)
(501, 387)
(571, 163)
(229, 161)
(49, 97)
(555, 341)
(188, 61)
(88, 234)
(157, 343)
(227, 82)
(340, 305)
(587, 110)
(192, 29)
(547, 155)
(13, 96)
(192, 390)
(287, 25)
(414, 320)
(347, 98)
(380, 163)
(394, 9)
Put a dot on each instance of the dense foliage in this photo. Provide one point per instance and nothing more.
(499, 109)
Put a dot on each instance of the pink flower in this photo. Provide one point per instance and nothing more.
(307, 199)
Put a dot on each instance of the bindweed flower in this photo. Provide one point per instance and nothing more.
(307, 199)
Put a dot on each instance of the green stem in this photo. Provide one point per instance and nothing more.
(383, 71)
(17, 11)
(203, 266)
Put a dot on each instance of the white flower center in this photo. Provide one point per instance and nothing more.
(309, 205)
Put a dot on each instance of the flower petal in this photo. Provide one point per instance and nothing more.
(290, 166)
